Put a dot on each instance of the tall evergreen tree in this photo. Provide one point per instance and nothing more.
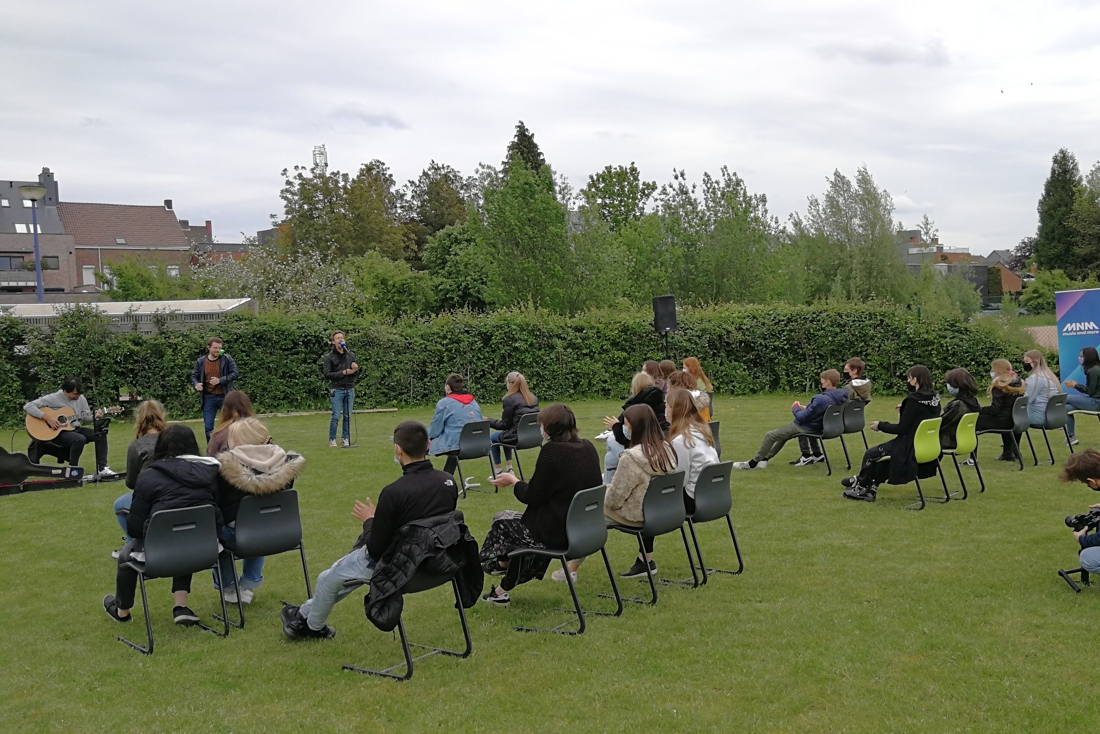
(1055, 239)
(524, 147)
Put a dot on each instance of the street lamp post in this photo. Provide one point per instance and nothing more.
(35, 194)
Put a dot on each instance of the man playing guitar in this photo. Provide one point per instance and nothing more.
(71, 396)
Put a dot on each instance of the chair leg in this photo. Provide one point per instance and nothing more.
(978, 469)
(224, 618)
(648, 575)
(943, 481)
(1019, 452)
(305, 570)
(920, 494)
(145, 650)
(493, 474)
(576, 608)
(698, 551)
(1049, 450)
(518, 465)
(736, 550)
(847, 458)
(1034, 458)
(386, 672)
(614, 585)
(825, 453)
(691, 562)
(236, 585)
(461, 481)
(865, 444)
(1065, 429)
(958, 470)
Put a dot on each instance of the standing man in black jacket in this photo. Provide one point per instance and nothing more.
(213, 378)
(420, 493)
(340, 368)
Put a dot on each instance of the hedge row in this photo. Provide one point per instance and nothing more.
(744, 350)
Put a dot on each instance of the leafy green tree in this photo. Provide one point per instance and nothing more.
(595, 267)
(1055, 240)
(435, 200)
(79, 342)
(135, 278)
(389, 288)
(1022, 255)
(1038, 295)
(1084, 220)
(460, 265)
(927, 228)
(618, 195)
(524, 148)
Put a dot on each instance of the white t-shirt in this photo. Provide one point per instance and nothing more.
(692, 459)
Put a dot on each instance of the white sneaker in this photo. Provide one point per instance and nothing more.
(345, 442)
(106, 472)
(246, 596)
(230, 596)
(1071, 441)
(559, 576)
(601, 437)
(332, 443)
(745, 465)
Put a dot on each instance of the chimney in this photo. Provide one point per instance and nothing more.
(168, 204)
(45, 180)
(184, 224)
(209, 230)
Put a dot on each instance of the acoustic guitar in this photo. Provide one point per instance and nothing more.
(41, 431)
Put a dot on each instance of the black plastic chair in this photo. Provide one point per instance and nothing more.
(1020, 424)
(713, 501)
(832, 426)
(421, 581)
(266, 526)
(714, 427)
(177, 543)
(475, 443)
(855, 420)
(586, 533)
(1056, 417)
(711, 404)
(663, 510)
(528, 436)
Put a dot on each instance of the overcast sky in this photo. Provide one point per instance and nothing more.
(956, 107)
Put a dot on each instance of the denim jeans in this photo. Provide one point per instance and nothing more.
(494, 437)
(330, 586)
(1090, 559)
(123, 503)
(342, 402)
(251, 575)
(611, 459)
(211, 404)
(1079, 401)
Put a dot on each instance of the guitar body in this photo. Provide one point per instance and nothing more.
(41, 431)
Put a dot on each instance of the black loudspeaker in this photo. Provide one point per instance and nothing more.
(664, 314)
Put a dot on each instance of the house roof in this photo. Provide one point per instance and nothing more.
(999, 256)
(101, 225)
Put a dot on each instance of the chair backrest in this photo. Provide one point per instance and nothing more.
(584, 523)
(711, 403)
(474, 441)
(714, 426)
(663, 505)
(268, 524)
(1056, 412)
(966, 436)
(528, 433)
(854, 416)
(1020, 420)
(926, 441)
(832, 425)
(179, 542)
(713, 498)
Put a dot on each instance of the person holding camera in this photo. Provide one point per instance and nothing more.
(340, 369)
(213, 378)
(1085, 467)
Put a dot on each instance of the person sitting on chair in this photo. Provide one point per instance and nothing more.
(808, 419)
(151, 420)
(420, 493)
(684, 381)
(252, 465)
(452, 412)
(922, 403)
(1083, 397)
(964, 392)
(1040, 386)
(567, 464)
(237, 405)
(70, 444)
(643, 391)
(178, 478)
(859, 387)
(1003, 390)
(518, 402)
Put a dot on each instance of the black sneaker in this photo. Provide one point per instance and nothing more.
(849, 482)
(295, 627)
(184, 616)
(493, 597)
(1006, 457)
(638, 569)
(492, 568)
(111, 607)
(865, 494)
(800, 461)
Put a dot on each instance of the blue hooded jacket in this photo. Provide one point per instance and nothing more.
(451, 414)
(813, 415)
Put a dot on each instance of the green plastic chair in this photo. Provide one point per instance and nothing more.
(926, 446)
(966, 442)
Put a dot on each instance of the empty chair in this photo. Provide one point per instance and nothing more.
(966, 444)
(1020, 424)
(177, 543)
(832, 426)
(266, 526)
(926, 447)
(713, 501)
(586, 531)
(714, 426)
(421, 581)
(528, 436)
(855, 420)
(664, 512)
(1056, 417)
(474, 443)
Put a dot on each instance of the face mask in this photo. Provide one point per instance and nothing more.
(952, 389)
(396, 460)
(1027, 367)
(544, 436)
(626, 432)
(911, 387)
(1080, 360)
(993, 375)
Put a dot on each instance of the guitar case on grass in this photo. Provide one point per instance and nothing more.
(15, 469)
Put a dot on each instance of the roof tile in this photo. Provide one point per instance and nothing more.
(141, 226)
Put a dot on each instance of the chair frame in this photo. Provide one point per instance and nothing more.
(406, 645)
(848, 410)
(1019, 420)
(953, 453)
(833, 414)
(692, 522)
(139, 568)
(715, 432)
(1059, 399)
(471, 486)
(523, 424)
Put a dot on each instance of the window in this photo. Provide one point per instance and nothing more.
(120, 240)
(5, 202)
(26, 229)
(109, 278)
(88, 275)
(26, 203)
(11, 262)
(51, 263)
(173, 271)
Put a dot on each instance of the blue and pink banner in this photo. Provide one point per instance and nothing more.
(1078, 326)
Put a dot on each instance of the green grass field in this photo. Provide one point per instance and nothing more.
(850, 617)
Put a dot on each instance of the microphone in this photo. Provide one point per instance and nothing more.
(221, 352)
(343, 345)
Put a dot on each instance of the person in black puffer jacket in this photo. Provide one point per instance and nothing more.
(961, 385)
(643, 391)
(922, 403)
(1003, 391)
(178, 478)
(518, 402)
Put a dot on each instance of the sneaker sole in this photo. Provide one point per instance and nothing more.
(496, 603)
(641, 575)
(120, 620)
(186, 620)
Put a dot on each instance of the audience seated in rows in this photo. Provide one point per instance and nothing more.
(642, 392)
(518, 402)
(452, 412)
(859, 388)
(922, 403)
(237, 405)
(567, 464)
(1005, 387)
(684, 381)
(148, 424)
(964, 393)
(1087, 396)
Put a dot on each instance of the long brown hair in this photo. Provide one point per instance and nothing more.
(237, 405)
(691, 364)
(652, 368)
(518, 383)
(646, 432)
(151, 418)
(685, 417)
(667, 367)
(681, 380)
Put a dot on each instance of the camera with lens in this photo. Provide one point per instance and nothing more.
(1085, 521)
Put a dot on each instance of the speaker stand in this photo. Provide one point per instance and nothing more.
(665, 335)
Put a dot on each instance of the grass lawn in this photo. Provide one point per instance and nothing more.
(849, 617)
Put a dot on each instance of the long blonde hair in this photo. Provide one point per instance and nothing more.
(518, 383)
(685, 417)
(1041, 367)
(1003, 368)
(151, 418)
(248, 432)
(641, 381)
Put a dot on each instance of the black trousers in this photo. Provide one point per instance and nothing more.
(873, 471)
(986, 422)
(126, 578)
(452, 462)
(75, 440)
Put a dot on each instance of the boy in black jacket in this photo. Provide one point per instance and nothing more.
(340, 369)
(420, 493)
